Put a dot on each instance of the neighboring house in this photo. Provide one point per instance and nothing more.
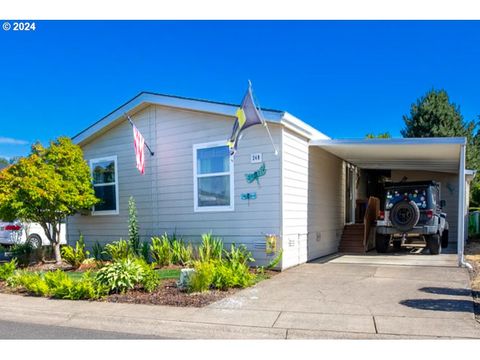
(311, 189)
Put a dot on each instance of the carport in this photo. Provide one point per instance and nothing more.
(415, 156)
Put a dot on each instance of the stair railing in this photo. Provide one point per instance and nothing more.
(371, 214)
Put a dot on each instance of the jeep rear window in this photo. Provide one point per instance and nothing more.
(419, 195)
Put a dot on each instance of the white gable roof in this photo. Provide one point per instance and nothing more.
(145, 99)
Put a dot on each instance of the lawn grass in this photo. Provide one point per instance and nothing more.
(164, 274)
(169, 273)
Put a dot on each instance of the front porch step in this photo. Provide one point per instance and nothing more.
(352, 239)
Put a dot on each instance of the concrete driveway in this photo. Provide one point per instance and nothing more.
(366, 297)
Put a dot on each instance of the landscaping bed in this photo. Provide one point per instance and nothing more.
(169, 294)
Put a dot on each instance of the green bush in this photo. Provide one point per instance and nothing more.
(75, 256)
(275, 261)
(211, 248)
(120, 276)
(119, 251)
(23, 252)
(150, 279)
(145, 251)
(86, 288)
(98, 251)
(161, 250)
(182, 254)
(220, 274)
(239, 255)
(32, 282)
(8, 269)
(59, 284)
(202, 278)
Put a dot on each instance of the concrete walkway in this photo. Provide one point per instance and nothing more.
(315, 300)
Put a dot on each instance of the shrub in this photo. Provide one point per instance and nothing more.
(211, 248)
(119, 250)
(150, 279)
(182, 254)
(32, 282)
(161, 250)
(75, 256)
(86, 288)
(23, 253)
(98, 251)
(133, 234)
(145, 251)
(220, 274)
(275, 261)
(120, 276)
(8, 269)
(202, 278)
(59, 284)
(239, 255)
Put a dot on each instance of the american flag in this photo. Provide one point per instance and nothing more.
(139, 142)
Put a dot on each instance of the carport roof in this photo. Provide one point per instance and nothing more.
(433, 154)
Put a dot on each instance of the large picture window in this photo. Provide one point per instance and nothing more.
(213, 177)
(105, 185)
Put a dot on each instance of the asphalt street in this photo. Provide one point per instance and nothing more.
(17, 330)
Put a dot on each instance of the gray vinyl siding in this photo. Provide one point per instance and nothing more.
(294, 198)
(448, 192)
(165, 196)
(326, 202)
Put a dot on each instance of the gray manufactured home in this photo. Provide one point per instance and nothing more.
(310, 192)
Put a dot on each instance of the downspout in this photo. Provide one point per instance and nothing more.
(461, 211)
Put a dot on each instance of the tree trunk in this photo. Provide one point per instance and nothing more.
(56, 251)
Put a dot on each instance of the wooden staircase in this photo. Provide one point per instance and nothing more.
(355, 237)
(352, 239)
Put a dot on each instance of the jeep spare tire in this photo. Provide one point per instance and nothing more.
(405, 215)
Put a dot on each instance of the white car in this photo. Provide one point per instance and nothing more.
(16, 232)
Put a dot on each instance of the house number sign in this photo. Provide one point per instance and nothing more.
(256, 158)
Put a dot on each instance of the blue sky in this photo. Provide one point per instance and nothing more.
(346, 78)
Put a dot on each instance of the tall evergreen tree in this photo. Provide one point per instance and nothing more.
(433, 115)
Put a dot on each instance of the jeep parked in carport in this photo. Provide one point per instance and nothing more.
(412, 212)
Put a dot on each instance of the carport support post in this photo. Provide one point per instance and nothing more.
(461, 209)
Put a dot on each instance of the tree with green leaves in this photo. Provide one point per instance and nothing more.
(385, 135)
(46, 187)
(434, 115)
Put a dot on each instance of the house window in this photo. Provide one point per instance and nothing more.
(213, 177)
(105, 185)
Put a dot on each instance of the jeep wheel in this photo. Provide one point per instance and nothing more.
(445, 239)
(405, 215)
(433, 244)
(381, 243)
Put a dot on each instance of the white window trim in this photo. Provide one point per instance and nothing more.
(107, 212)
(197, 208)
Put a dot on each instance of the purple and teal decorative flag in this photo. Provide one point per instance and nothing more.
(247, 115)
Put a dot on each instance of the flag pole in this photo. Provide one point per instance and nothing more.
(131, 123)
(263, 118)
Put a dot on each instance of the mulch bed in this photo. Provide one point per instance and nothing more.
(168, 294)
